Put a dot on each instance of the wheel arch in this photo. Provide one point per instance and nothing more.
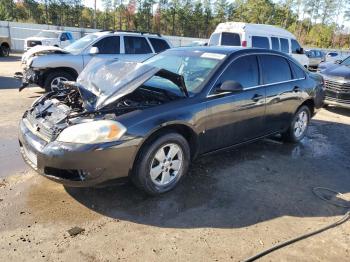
(48, 71)
(5, 44)
(186, 131)
(310, 103)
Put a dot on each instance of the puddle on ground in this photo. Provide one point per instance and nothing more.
(11, 159)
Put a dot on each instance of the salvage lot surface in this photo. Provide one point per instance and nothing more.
(229, 207)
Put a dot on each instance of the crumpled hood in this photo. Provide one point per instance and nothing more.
(110, 80)
(40, 49)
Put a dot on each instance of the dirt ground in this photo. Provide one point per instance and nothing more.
(230, 206)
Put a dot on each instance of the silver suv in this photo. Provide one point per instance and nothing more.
(48, 66)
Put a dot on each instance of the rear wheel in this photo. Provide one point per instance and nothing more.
(299, 125)
(53, 80)
(161, 164)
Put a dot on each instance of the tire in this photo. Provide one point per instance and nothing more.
(5, 51)
(147, 160)
(49, 79)
(292, 135)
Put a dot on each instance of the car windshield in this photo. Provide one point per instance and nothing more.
(47, 34)
(194, 66)
(81, 44)
(346, 61)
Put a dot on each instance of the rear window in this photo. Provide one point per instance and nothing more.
(275, 43)
(159, 45)
(297, 71)
(214, 39)
(136, 45)
(260, 42)
(284, 45)
(274, 69)
(230, 39)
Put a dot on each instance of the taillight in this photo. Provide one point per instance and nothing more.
(244, 43)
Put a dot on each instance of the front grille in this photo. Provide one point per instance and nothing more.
(337, 86)
(37, 128)
(31, 43)
(29, 156)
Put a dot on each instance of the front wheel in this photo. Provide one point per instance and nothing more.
(161, 164)
(299, 125)
(5, 51)
(53, 80)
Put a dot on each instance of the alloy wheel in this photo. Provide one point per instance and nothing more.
(300, 124)
(55, 83)
(166, 164)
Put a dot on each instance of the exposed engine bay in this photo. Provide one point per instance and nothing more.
(56, 110)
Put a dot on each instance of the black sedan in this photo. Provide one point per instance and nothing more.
(337, 82)
(147, 121)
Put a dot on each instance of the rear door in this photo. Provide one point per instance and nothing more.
(282, 91)
(236, 117)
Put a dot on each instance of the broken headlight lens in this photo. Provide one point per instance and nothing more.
(93, 132)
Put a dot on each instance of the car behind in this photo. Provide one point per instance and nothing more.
(337, 83)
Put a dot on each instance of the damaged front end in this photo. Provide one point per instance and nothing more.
(64, 128)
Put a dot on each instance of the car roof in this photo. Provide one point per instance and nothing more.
(228, 50)
(210, 49)
(240, 27)
(145, 34)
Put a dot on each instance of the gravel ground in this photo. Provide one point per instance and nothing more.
(230, 206)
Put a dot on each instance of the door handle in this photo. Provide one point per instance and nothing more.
(296, 89)
(257, 97)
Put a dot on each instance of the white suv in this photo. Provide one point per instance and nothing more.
(49, 38)
(47, 66)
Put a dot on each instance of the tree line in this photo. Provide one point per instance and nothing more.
(315, 22)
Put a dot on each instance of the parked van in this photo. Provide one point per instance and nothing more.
(259, 36)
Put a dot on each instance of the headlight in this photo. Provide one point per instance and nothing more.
(93, 132)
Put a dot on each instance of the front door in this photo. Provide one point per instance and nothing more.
(236, 117)
(108, 47)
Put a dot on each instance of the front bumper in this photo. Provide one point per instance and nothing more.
(77, 165)
(28, 76)
(337, 98)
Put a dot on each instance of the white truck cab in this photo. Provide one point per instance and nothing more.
(258, 36)
(49, 38)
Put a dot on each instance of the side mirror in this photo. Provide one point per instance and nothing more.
(230, 86)
(300, 51)
(63, 38)
(94, 50)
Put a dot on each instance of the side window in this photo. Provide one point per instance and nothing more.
(108, 45)
(63, 37)
(136, 45)
(296, 46)
(284, 45)
(231, 39)
(243, 70)
(159, 45)
(260, 42)
(274, 69)
(214, 39)
(275, 43)
(298, 72)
